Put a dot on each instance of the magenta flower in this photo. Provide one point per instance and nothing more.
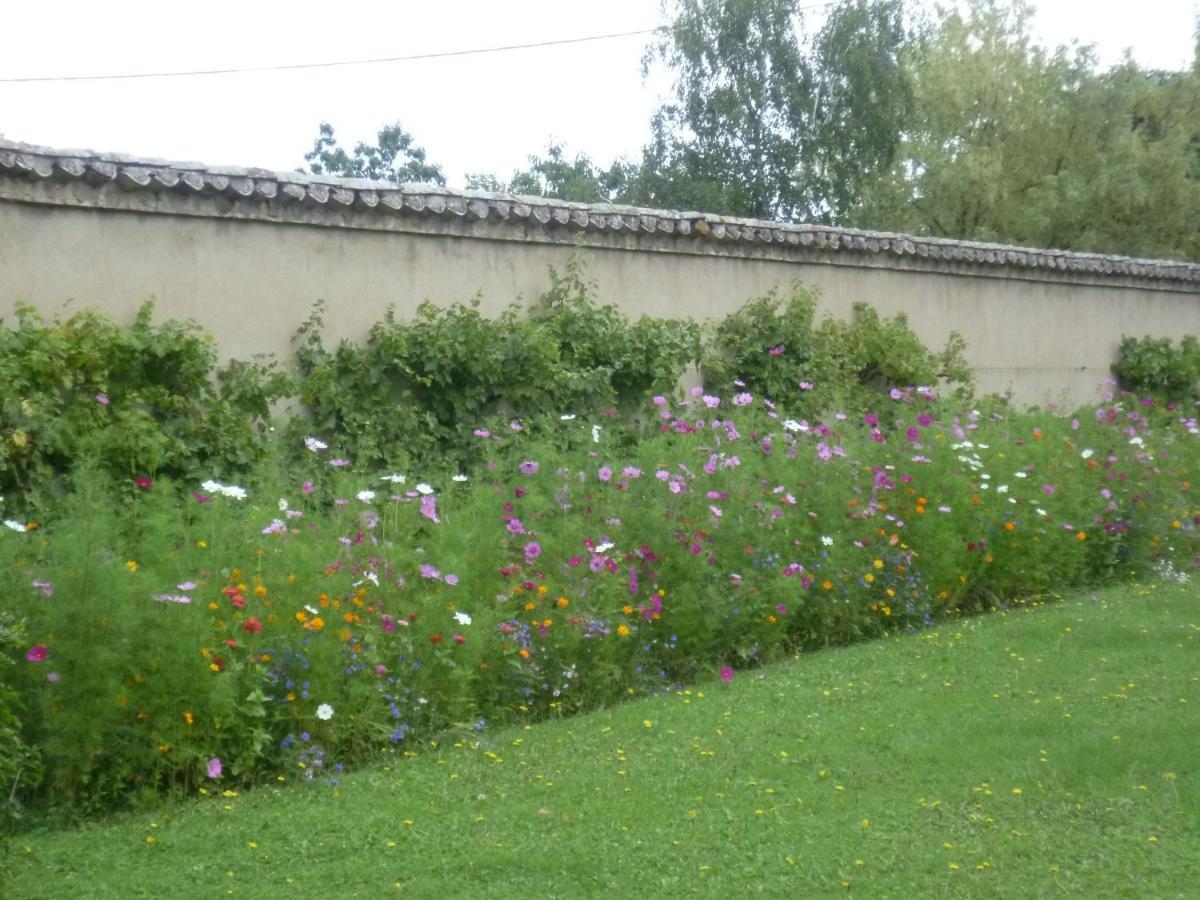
(924, 420)
(726, 674)
(450, 579)
(144, 482)
(102, 399)
(387, 623)
(532, 551)
(529, 467)
(1048, 489)
(776, 351)
(201, 498)
(307, 487)
(214, 767)
(605, 473)
(37, 653)
(339, 463)
(913, 434)
(711, 402)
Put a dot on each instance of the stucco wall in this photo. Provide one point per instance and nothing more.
(252, 280)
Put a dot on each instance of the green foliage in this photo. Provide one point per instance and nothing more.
(553, 175)
(19, 763)
(182, 632)
(1010, 142)
(1156, 367)
(774, 346)
(141, 400)
(408, 390)
(394, 158)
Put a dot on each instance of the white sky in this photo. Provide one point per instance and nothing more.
(482, 113)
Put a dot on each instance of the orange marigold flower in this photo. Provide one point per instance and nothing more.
(1081, 536)
(623, 630)
(315, 624)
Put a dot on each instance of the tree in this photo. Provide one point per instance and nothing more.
(553, 175)
(1012, 143)
(394, 158)
(768, 123)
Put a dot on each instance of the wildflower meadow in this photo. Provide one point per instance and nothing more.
(189, 638)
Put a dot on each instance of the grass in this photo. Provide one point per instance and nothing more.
(1047, 750)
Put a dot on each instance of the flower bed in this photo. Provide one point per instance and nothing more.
(326, 615)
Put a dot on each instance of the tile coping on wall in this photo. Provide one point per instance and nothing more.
(261, 193)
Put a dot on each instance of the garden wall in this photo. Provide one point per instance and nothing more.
(246, 252)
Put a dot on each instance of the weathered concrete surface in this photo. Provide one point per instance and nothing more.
(1043, 327)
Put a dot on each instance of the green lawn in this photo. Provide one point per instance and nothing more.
(1050, 750)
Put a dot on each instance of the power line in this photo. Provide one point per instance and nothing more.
(445, 54)
(328, 65)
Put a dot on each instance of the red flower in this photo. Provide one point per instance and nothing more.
(459, 639)
(143, 481)
(436, 639)
(252, 625)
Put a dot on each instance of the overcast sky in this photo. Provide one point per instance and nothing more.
(482, 113)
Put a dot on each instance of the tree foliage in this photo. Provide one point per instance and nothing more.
(1010, 142)
(952, 122)
(395, 157)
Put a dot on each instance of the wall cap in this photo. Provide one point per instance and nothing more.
(326, 199)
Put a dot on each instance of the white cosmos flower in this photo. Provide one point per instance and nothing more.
(15, 525)
(282, 505)
(605, 547)
(1040, 511)
(324, 712)
(1002, 489)
(234, 491)
(1087, 453)
(394, 479)
(213, 487)
(827, 540)
(462, 618)
(567, 417)
(365, 496)
(459, 478)
(315, 445)
(595, 434)
(425, 489)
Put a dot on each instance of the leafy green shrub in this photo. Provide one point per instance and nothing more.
(775, 347)
(1156, 367)
(19, 764)
(405, 393)
(141, 400)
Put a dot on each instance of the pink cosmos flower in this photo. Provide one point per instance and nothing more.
(37, 653)
(102, 399)
(214, 767)
(726, 674)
